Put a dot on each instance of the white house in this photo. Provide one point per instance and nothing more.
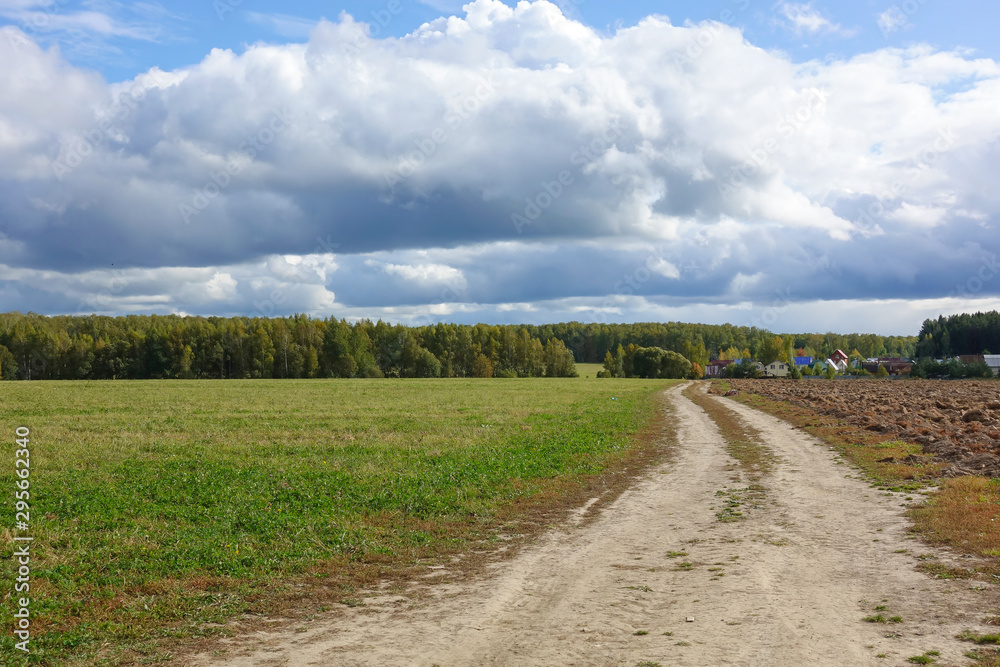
(993, 361)
(840, 365)
(777, 369)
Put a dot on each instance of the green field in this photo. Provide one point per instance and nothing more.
(589, 370)
(160, 506)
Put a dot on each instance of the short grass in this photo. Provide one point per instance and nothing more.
(589, 370)
(970, 636)
(984, 657)
(986, 654)
(161, 507)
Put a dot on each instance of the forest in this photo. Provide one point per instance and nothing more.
(702, 343)
(34, 347)
(963, 334)
(37, 347)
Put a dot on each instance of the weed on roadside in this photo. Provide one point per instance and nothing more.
(942, 571)
(970, 636)
(879, 618)
(751, 497)
(985, 657)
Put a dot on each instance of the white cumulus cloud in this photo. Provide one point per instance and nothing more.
(804, 18)
(504, 155)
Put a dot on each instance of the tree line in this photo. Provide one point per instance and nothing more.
(701, 343)
(35, 347)
(945, 337)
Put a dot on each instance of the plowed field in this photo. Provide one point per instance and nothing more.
(957, 422)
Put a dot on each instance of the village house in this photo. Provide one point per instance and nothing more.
(714, 368)
(894, 365)
(777, 369)
(991, 360)
(839, 360)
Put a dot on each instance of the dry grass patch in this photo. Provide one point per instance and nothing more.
(964, 514)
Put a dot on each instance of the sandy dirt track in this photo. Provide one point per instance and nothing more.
(786, 586)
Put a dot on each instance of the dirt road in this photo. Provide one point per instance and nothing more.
(658, 578)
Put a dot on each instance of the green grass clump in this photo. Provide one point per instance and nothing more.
(879, 618)
(160, 506)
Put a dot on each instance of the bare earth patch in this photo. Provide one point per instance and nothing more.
(657, 577)
(955, 422)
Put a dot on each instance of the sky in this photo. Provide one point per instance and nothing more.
(795, 166)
